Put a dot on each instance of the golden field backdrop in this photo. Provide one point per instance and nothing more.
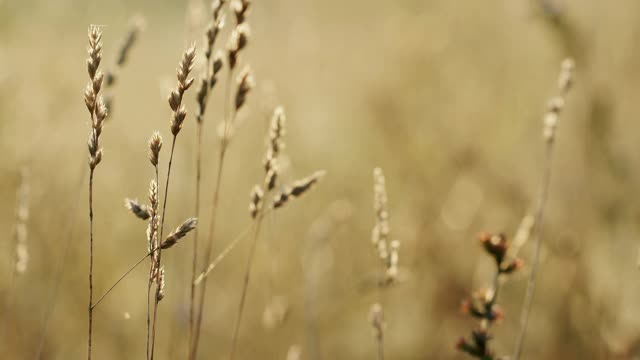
(447, 97)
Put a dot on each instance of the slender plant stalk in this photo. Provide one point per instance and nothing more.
(98, 111)
(214, 210)
(238, 39)
(258, 194)
(164, 207)
(151, 266)
(555, 106)
(155, 307)
(245, 286)
(90, 263)
(194, 257)
(149, 308)
(531, 281)
(212, 67)
(194, 261)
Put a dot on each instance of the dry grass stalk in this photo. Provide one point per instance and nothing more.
(237, 42)
(258, 193)
(213, 66)
(179, 113)
(551, 119)
(155, 145)
(136, 26)
(387, 253)
(156, 272)
(98, 112)
(387, 249)
(256, 211)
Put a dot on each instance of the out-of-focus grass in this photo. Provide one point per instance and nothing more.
(445, 96)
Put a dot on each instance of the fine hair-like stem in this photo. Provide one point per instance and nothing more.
(551, 118)
(98, 111)
(179, 114)
(245, 285)
(213, 65)
(237, 42)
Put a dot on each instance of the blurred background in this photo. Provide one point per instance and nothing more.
(446, 96)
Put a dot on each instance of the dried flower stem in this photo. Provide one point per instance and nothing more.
(387, 255)
(565, 81)
(245, 285)
(224, 143)
(259, 193)
(153, 244)
(211, 68)
(159, 260)
(90, 262)
(539, 216)
(194, 257)
(98, 112)
(238, 42)
(179, 114)
(159, 256)
(209, 250)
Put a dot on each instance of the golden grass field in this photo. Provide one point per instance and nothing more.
(447, 97)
